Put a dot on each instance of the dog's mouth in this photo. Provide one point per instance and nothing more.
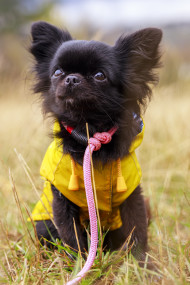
(69, 102)
(75, 101)
(74, 98)
(65, 102)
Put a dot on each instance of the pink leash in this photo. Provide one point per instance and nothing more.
(94, 145)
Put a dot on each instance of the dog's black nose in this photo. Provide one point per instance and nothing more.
(72, 80)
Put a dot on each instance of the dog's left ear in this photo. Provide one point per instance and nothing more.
(138, 55)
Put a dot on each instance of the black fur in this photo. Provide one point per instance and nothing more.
(75, 97)
(46, 231)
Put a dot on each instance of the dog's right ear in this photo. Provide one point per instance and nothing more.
(46, 39)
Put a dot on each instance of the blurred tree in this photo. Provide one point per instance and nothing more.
(15, 21)
(15, 14)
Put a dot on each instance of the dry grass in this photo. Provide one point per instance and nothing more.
(165, 160)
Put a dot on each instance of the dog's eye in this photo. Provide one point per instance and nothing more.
(99, 76)
(58, 72)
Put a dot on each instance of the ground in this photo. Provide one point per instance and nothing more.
(165, 160)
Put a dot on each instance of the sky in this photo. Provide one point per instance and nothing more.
(104, 13)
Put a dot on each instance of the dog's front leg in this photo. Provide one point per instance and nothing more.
(65, 214)
(134, 219)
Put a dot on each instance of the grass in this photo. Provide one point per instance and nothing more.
(165, 161)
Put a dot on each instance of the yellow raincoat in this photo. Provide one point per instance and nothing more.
(56, 170)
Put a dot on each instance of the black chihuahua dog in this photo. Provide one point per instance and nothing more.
(90, 81)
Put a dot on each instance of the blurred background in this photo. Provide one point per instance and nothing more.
(165, 152)
(101, 19)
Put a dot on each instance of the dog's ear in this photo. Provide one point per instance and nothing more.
(46, 39)
(138, 55)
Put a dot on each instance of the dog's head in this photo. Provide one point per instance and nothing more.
(81, 79)
(90, 81)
